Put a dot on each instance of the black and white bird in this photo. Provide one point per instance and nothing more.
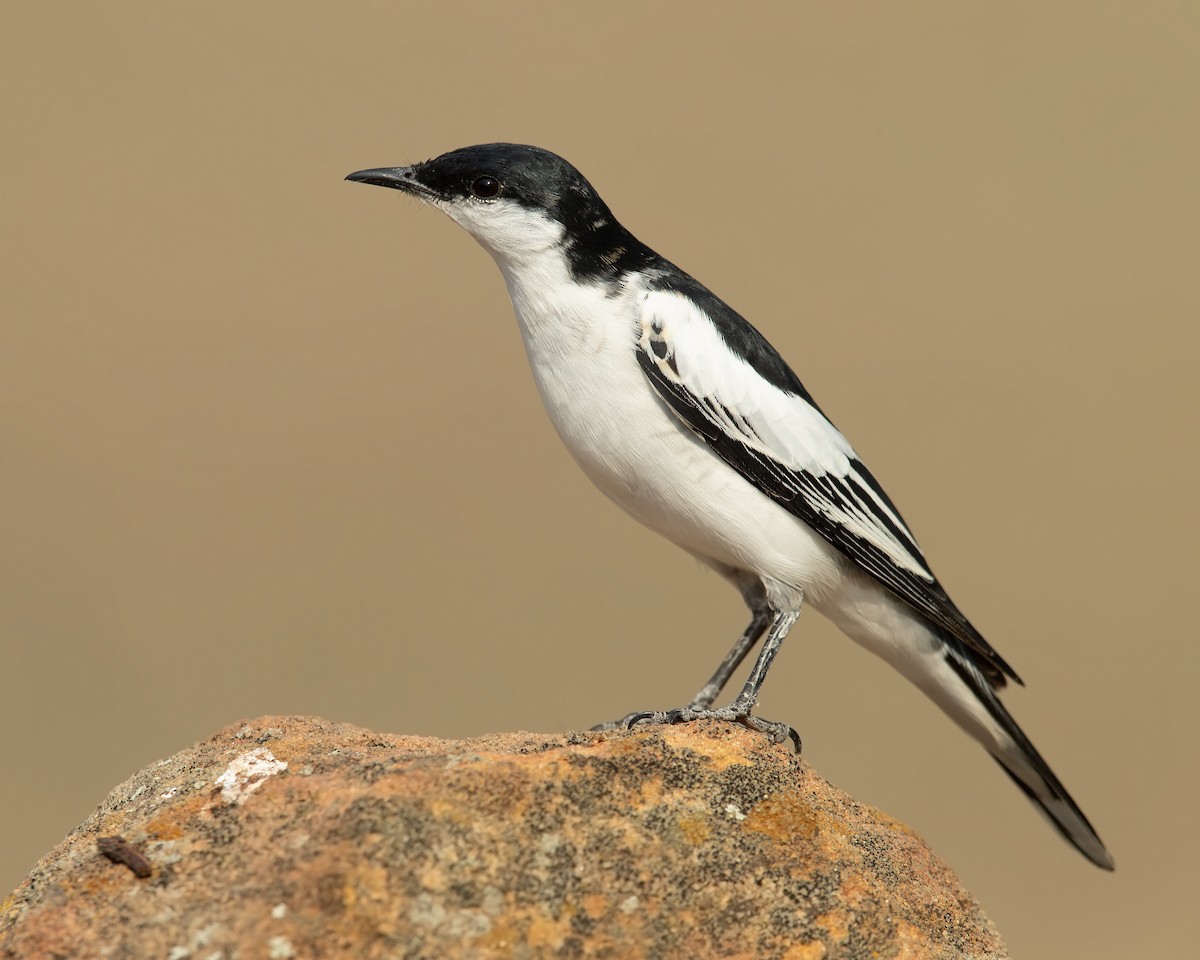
(683, 414)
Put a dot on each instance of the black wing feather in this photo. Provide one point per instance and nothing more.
(799, 491)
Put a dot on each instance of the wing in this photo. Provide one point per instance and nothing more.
(732, 389)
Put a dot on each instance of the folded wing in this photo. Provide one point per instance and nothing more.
(767, 428)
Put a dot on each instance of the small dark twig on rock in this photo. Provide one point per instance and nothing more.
(118, 850)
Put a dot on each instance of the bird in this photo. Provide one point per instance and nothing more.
(683, 414)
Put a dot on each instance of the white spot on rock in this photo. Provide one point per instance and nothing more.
(199, 939)
(492, 901)
(467, 924)
(279, 911)
(280, 948)
(547, 844)
(734, 812)
(165, 853)
(629, 904)
(426, 912)
(247, 773)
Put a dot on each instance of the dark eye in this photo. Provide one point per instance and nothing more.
(485, 187)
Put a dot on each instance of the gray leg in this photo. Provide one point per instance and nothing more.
(779, 629)
(733, 659)
(739, 710)
(703, 700)
(776, 625)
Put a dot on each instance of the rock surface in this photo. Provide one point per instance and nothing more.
(295, 837)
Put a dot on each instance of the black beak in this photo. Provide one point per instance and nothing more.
(398, 178)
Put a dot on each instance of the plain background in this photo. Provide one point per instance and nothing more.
(268, 443)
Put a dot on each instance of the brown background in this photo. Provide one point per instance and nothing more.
(269, 444)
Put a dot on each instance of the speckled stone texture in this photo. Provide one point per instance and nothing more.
(295, 837)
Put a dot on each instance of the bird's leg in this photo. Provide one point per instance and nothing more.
(708, 693)
(733, 659)
(739, 710)
(758, 673)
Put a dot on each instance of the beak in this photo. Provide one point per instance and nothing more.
(398, 178)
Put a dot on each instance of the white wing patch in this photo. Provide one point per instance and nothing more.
(795, 447)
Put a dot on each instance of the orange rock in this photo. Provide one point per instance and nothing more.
(295, 837)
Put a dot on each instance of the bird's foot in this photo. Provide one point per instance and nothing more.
(776, 732)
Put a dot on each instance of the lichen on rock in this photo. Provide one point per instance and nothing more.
(296, 837)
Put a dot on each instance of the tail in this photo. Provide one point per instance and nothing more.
(979, 711)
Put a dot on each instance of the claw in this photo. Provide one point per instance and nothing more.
(627, 722)
(775, 732)
(630, 721)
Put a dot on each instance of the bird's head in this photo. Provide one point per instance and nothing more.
(517, 201)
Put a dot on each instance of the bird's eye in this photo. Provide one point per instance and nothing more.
(485, 187)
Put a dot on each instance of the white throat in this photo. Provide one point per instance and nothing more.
(514, 235)
(557, 313)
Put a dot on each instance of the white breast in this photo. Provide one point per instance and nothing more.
(581, 343)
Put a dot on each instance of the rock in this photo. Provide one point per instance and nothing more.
(295, 837)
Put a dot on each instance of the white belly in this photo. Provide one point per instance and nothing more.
(642, 456)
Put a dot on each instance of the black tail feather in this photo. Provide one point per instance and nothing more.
(1047, 794)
